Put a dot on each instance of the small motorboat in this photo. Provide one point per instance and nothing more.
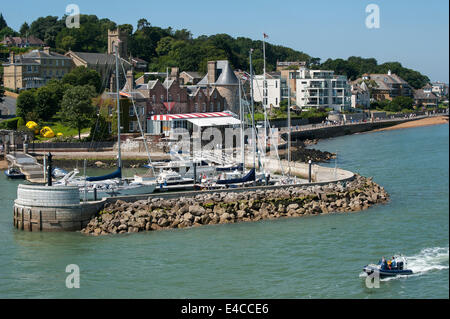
(14, 173)
(386, 268)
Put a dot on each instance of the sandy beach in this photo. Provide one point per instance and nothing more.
(422, 122)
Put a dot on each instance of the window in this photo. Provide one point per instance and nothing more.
(110, 110)
(132, 111)
(178, 98)
(162, 98)
(196, 107)
(109, 127)
(154, 98)
(218, 106)
(204, 107)
(131, 126)
(211, 107)
(29, 68)
(62, 62)
(57, 62)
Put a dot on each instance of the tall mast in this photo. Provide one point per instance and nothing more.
(241, 111)
(265, 95)
(119, 156)
(289, 127)
(253, 111)
(167, 79)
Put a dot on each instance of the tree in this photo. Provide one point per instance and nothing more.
(7, 32)
(3, 23)
(47, 103)
(47, 29)
(99, 129)
(26, 103)
(77, 110)
(402, 102)
(24, 30)
(143, 23)
(84, 76)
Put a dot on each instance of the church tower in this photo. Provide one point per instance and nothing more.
(113, 37)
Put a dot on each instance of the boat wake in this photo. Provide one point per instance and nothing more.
(429, 259)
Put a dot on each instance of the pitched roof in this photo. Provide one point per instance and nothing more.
(30, 40)
(226, 77)
(139, 60)
(385, 81)
(422, 95)
(97, 58)
(193, 75)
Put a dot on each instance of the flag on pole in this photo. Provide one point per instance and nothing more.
(265, 36)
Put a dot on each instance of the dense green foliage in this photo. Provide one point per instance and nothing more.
(4, 29)
(398, 104)
(76, 107)
(10, 124)
(83, 76)
(43, 103)
(164, 48)
(355, 67)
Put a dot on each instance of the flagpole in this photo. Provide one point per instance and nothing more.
(167, 79)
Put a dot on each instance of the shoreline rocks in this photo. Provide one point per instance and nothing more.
(121, 217)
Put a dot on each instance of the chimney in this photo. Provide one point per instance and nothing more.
(47, 50)
(212, 72)
(130, 81)
(175, 73)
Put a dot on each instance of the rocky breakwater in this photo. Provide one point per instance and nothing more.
(120, 217)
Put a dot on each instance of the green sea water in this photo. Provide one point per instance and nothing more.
(309, 257)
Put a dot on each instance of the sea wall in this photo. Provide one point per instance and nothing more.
(157, 213)
(341, 130)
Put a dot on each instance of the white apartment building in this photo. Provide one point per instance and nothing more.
(322, 89)
(272, 91)
(439, 88)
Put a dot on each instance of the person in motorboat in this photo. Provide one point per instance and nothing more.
(394, 263)
(383, 263)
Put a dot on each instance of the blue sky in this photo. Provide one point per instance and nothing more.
(413, 32)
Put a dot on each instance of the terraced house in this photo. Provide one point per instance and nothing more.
(34, 69)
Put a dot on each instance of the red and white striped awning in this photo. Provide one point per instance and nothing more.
(171, 117)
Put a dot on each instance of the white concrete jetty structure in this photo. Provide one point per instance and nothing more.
(52, 208)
